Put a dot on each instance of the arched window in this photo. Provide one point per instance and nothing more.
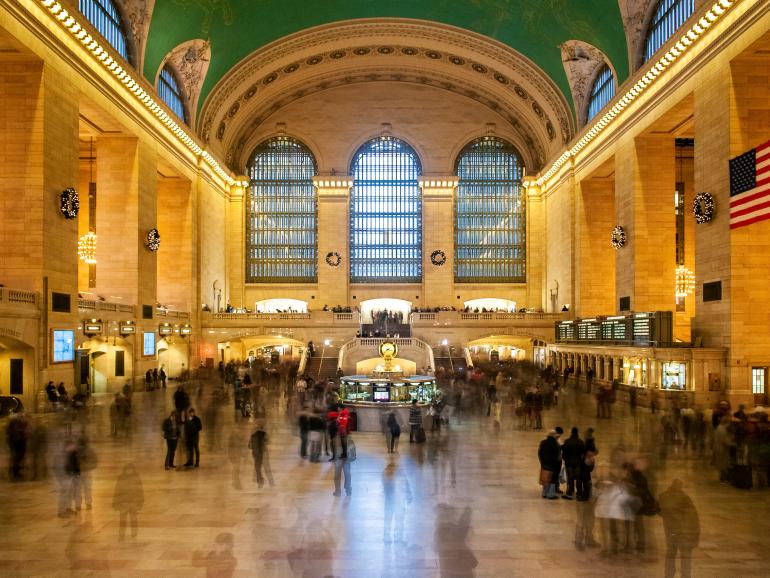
(668, 17)
(385, 214)
(490, 214)
(602, 91)
(281, 214)
(170, 93)
(104, 16)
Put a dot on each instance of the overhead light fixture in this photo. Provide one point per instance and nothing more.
(685, 281)
(87, 248)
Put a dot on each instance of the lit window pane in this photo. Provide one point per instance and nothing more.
(104, 16)
(385, 214)
(170, 93)
(490, 214)
(668, 17)
(602, 92)
(281, 214)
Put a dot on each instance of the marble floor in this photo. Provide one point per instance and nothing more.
(464, 504)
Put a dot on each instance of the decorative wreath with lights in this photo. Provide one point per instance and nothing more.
(618, 238)
(333, 259)
(153, 240)
(703, 208)
(69, 203)
(438, 257)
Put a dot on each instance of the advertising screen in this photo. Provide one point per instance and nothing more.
(149, 345)
(63, 345)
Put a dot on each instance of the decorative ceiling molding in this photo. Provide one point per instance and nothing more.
(138, 16)
(465, 57)
(191, 61)
(521, 130)
(582, 61)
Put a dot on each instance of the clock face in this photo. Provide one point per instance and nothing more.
(388, 349)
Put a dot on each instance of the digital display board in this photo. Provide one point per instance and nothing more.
(635, 328)
(148, 344)
(63, 345)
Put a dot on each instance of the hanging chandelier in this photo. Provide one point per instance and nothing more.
(685, 281)
(87, 248)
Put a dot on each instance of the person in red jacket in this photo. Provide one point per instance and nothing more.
(343, 425)
(331, 432)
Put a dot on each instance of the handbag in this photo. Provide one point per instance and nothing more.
(546, 476)
(351, 450)
(563, 475)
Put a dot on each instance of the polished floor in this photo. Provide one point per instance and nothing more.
(465, 504)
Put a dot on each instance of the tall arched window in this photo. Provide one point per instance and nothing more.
(170, 93)
(668, 17)
(385, 214)
(105, 17)
(281, 214)
(602, 91)
(490, 214)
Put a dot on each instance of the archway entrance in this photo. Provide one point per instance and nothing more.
(385, 318)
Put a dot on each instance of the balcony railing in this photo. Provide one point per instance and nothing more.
(449, 317)
(19, 299)
(171, 313)
(106, 306)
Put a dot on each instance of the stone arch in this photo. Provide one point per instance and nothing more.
(189, 61)
(582, 63)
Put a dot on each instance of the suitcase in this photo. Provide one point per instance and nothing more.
(740, 477)
(421, 436)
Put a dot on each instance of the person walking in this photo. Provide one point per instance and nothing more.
(128, 499)
(162, 375)
(681, 525)
(17, 434)
(573, 451)
(342, 466)
(171, 435)
(258, 447)
(415, 422)
(394, 432)
(192, 429)
(549, 454)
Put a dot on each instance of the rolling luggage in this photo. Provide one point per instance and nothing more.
(740, 476)
(421, 436)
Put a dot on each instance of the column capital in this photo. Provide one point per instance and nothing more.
(333, 185)
(438, 185)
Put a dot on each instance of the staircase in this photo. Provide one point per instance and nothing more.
(450, 360)
(323, 365)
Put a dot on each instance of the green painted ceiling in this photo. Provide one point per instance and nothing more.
(535, 28)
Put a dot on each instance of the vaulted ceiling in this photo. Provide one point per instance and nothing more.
(237, 28)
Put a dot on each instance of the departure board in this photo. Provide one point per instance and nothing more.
(634, 328)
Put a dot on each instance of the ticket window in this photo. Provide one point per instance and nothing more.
(674, 376)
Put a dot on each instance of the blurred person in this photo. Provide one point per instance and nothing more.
(450, 539)
(219, 562)
(393, 432)
(181, 400)
(171, 431)
(258, 446)
(343, 429)
(342, 466)
(303, 422)
(549, 454)
(155, 377)
(17, 435)
(69, 482)
(192, 430)
(128, 499)
(87, 461)
(397, 494)
(537, 408)
(615, 507)
(315, 436)
(724, 449)
(584, 528)
(235, 455)
(62, 391)
(162, 375)
(415, 421)
(331, 432)
(681, 526)
(38, 447)
(646, 504)
(573, 452)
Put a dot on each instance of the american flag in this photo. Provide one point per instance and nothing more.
(750, 187)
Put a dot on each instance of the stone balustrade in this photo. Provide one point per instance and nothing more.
(19, 300)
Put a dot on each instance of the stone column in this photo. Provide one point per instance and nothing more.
(235, 244)
(438, 235)
(644, 207)
(333, 237)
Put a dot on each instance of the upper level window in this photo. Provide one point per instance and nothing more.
(170, 93)
(490, 214)
(281, 214)
(602, 91)
(669, 16)
(385, 214)
(104, 16)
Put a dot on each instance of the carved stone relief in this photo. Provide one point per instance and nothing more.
(138, 15)
(581, 63)
(191, 61)
(635, 14)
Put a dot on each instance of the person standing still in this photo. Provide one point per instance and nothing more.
(171, 435)
(415, 421)
(163, 377)
(192, 429)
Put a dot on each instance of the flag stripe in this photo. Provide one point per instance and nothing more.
(765, 203)
(749, 196)
(749, 221)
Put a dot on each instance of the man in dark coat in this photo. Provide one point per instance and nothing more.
(192, 428)
(549, 454)
(681, 525)
(573, 451)
(181, 400)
